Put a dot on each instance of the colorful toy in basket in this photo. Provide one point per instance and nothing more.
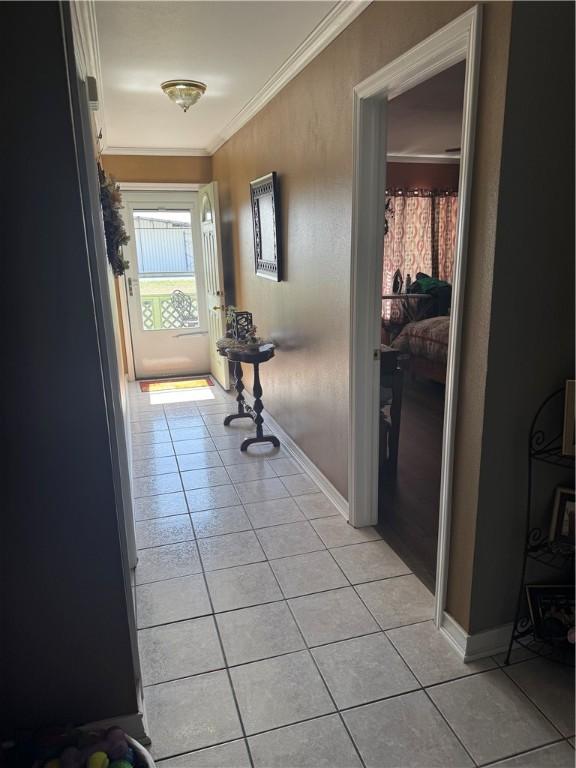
(112, 751)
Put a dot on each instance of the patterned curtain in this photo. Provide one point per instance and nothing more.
(408, 244)
(421, 237)
(445, 218)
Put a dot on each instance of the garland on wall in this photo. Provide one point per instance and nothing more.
(114, 230)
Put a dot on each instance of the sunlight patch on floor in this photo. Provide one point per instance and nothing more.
(182, 395)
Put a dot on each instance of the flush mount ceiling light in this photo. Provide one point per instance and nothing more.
(185, 93)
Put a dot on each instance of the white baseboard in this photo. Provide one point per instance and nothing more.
(305, 462)
(479, 645)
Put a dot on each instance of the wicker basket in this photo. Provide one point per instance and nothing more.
(141, 752)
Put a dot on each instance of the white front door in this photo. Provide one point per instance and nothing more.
(214, 272)
(165, 284)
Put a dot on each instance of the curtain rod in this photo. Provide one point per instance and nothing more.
(419, 192)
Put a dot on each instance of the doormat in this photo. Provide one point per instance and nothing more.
(165, 385)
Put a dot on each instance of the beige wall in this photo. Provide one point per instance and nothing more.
(305, 134)
(162, 170)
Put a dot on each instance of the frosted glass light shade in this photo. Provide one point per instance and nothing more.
(185, 93)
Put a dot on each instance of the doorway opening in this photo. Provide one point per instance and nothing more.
(421, 211)
(173, 279)
(375, 212)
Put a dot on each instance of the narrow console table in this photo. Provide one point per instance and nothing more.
(254, 356)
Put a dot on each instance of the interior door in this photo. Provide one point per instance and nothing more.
(165, 285)
(214, 278)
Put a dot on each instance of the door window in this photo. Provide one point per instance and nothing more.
(166, 269)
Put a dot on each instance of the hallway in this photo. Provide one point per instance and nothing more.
(271, 633)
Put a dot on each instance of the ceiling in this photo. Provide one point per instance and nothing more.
(427, 119)
(234, 47)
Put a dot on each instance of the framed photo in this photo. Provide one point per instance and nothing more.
(568, 436)
(562, 523)
(552, 611)
(264, 197)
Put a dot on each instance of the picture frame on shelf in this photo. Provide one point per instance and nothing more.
(552, 611)
(562, 527)
(265, 202)
(569, 431)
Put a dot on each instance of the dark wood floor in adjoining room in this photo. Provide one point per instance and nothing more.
(409, 502)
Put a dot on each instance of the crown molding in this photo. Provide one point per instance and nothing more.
(157, 151)
(87, 53)
(343, 14)
(400, 157)
(152, 186)
(338, 18)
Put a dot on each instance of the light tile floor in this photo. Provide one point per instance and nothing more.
(274, 635)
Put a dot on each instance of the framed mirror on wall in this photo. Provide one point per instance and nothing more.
(265, 201)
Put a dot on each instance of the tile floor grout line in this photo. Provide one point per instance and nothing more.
(217, 630)
(271, 525)
(524, 752)
(534, 704)
(170, 543)
(257, 733)
(175, 621)
(376, 620)
(360, 597)
(458, 739)
(223, 651)
(441, 682)
(307, 647)
(311, 656)
(419, 687)
(162, 761)
(326, 686)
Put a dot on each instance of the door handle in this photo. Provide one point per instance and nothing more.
(221, 307)
(130, 291)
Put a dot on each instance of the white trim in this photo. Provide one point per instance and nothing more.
(130, 373)
(305, 462)
(455, 42)
(145, 195)
(157, 151)
(398, 157)
(335, 21)
(87, 54)
(473, 46)
(478, 646)
(145, 186)
(341, 15)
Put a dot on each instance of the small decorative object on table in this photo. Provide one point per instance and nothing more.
(242, 345)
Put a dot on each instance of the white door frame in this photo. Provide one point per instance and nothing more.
(143, 193)
(458, 41)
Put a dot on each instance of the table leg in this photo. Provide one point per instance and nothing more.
(243, 411)
(258, 420)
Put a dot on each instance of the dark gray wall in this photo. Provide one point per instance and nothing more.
(531, 350)
(66, 650)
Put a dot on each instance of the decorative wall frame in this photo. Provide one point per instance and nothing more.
(264, 197)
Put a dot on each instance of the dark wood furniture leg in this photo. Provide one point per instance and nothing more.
(258, 420)
(395, 413)
(244, 411)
